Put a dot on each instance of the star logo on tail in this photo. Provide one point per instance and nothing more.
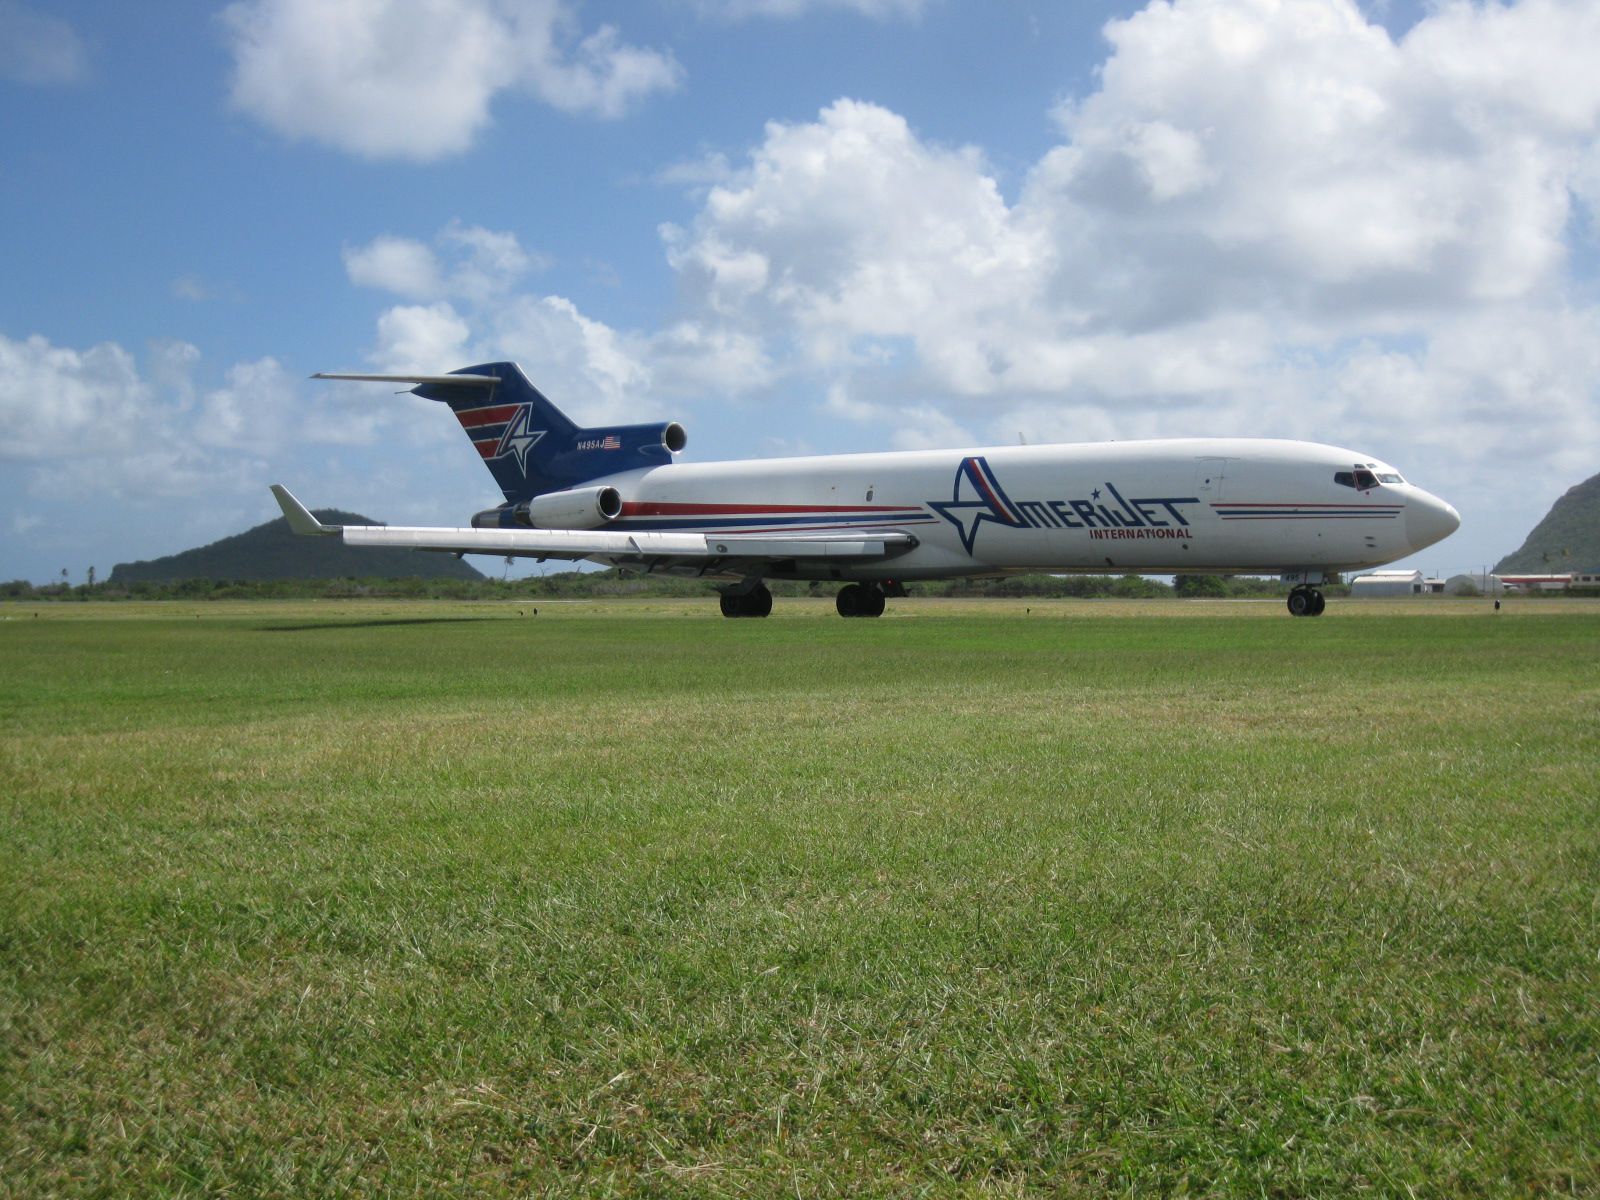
(519, 438)
(976, 497)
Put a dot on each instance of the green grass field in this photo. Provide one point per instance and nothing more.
(979, 898)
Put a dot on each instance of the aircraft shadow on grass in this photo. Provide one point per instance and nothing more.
(375, 623)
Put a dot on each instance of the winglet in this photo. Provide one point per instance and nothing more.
(299, 517)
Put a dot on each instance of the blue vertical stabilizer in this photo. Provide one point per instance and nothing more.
(529, 445)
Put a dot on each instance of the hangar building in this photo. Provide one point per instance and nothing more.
(1395, 583)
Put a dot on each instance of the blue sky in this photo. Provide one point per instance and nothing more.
(796, 226)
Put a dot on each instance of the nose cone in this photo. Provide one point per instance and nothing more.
(1429, 520)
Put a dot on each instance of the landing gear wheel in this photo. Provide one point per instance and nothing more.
(757, 602)
(1306, 601)
(860, 600)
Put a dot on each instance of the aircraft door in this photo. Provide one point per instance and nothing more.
(1211, 477)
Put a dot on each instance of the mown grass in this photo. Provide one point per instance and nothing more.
(979, 898)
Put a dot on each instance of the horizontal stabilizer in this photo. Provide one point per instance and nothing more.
(449, 380)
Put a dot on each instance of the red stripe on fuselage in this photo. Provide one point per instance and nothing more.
(779, 532)
(648, 508)
(1296, 504)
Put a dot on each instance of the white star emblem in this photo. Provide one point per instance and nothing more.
(519, 438)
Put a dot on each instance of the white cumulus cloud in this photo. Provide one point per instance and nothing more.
(415, 79)
(98, 422)
(740, 10)
(1269, 217)
(56, 401)
(465, 261)
(418, 339)
(468, 309)
(851, 230)
(38, 48)
(400, 265)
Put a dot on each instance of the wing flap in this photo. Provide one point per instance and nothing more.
(846, 545)
(642, 547)
(541, 543)
(612, 543)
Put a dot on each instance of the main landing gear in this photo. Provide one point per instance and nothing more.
(1306, 601)
(860, 600)
(854, 600)
(757, 602)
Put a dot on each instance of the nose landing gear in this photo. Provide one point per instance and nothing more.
(1306, 601)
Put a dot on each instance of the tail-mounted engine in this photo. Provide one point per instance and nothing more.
(575, 508)
(600, 451)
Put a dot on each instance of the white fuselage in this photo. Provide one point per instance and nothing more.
(1223, 505)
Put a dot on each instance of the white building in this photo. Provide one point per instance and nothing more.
(1395, 583)
(1540, 583)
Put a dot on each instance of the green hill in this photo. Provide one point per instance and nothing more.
(271, 551)
(1568, 539)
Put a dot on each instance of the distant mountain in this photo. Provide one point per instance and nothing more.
(271, 551)
(1568, 539)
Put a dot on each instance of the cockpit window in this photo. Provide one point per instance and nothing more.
(1389, 477)
(1361, 478)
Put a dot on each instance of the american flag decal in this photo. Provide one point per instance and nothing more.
(611, 442)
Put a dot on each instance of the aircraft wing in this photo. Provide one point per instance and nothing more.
(640, 549)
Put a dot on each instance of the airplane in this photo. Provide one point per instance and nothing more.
(875, 522)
